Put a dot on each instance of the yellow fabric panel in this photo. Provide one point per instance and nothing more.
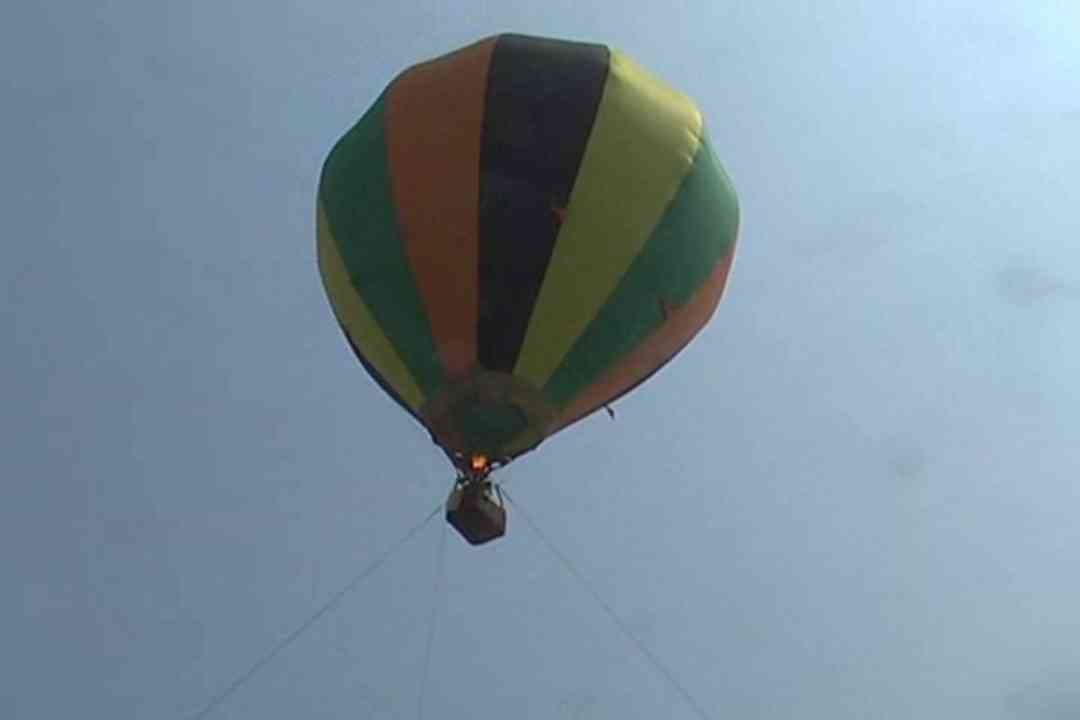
(358, 321)
(642, 145)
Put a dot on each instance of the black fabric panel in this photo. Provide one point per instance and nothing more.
(542, 97)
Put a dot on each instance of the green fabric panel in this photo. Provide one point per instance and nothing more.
(356, 194)
(696, 232)
(379, 357)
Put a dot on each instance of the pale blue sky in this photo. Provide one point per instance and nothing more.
(855, 496)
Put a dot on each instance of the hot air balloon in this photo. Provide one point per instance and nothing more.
(515, 235)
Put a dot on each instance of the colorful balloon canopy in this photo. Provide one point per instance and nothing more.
(518, 233)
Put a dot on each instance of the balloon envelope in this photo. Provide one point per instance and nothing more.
(519, 232)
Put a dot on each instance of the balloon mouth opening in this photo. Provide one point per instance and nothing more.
(488, 418)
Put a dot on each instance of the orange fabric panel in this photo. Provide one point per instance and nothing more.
(679, 329)
(433, 129)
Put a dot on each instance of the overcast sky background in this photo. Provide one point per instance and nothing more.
(855, 496)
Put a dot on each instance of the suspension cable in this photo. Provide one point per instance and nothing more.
(657, 664)
(329, 605)
(436, 606)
